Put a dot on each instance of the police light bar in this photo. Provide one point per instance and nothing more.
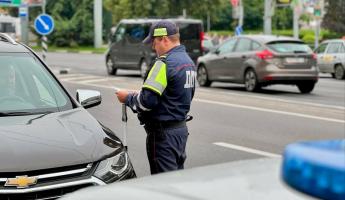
(316, 168)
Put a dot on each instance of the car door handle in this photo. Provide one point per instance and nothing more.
(243, 56)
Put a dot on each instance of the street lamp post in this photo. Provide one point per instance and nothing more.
(268, 17)
(97, 10)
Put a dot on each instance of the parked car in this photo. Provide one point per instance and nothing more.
(260, 60)
(331, 58)
(50, 145)
(207, 44)
(127, 51)
(315, 168)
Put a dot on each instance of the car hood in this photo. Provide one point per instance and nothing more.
(249, 179)
(54, 140)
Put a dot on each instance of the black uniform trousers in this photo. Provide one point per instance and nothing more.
(165, 146)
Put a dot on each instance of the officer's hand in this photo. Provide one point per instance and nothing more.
(122, 95)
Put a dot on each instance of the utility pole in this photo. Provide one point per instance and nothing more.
(318, 13)
(97, 13)
(208, 21)
(295, 23)
(240, 19)
(24, 23)
(268, 17)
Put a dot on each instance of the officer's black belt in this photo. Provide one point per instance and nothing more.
(167, 124)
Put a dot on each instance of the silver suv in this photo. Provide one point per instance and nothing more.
(331, 58)
(258, 61)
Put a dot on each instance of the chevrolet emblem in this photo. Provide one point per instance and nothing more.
(21, 181)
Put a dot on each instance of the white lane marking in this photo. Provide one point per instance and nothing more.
(235, 105)
(98, 80)
(248, 150)
(270, 110)
(275, 99)
(68, 75)
(79, 78)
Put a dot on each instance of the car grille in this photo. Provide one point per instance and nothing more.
(51, 183)
(43, 195)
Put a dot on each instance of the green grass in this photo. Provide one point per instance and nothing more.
(73, 49)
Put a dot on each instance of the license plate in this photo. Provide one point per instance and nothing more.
(294, 60)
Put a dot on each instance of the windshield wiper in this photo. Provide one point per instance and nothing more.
(6, 114)
(300, 52)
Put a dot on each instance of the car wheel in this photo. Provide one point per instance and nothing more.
(339, 72)
(143, 68)
(306, 87)
(110, 66)
(202, 77)
(251, 81)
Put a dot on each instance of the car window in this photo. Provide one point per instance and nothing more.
(227, 47)
(120, 33)
(289, 47)
(26, 86)
(189, 31)
(256, 46)
(334, 47)
(136, 33)
(342, 49)
(243, 45)
(321, 48)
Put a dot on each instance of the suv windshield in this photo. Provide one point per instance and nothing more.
(26, 87)
(289, 47)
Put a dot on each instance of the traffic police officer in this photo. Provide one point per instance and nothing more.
(165, 98)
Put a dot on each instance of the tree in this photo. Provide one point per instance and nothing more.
(334, 19)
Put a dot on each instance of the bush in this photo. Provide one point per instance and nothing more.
(309, 38)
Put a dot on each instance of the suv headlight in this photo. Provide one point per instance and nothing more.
(113, 168)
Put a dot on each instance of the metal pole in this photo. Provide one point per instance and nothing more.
(208, 22)
(317, 33)
(44, 6)
(240, 20)
(24, 24)
(97, 10)
(268, 17)
(295, 23)
(44, 39)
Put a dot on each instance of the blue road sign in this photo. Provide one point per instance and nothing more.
(44, 24)
(238, 30)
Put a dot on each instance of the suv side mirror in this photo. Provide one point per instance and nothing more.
(89, 98)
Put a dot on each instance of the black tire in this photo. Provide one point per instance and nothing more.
(306, 86)
(339, 72)
(202, 76)
(251, 81)
(110, 66)
(144, 67)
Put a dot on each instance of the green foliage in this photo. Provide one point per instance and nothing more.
(309, 38)
(334, 19)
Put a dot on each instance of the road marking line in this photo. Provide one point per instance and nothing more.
(68, 75)
(234, 105)
(270, 110)
(94, 80)
(275, 99)
(79, 78)
(248, 150)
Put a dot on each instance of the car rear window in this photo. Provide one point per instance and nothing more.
(189, 31)
(289, 47)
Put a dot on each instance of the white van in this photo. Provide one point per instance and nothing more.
(10, 25)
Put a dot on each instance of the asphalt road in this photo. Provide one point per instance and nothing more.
(229, 123)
